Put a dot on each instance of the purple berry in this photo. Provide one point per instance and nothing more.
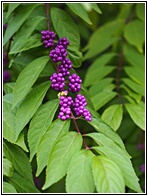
(48, 38)
(74, 83)
(6, 76)
(65, 66)
(64, 42)
(58, 54)
(58, 82)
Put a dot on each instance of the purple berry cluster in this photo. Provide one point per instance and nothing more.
(59, 80)
(65, 110)
(74, 83)
(79, 107)
(48, 38)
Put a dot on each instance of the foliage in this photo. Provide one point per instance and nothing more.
(45, 154)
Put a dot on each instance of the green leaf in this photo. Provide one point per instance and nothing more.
(133, 56)
(39, 124)
(102, 98)
(26, 44)
(102, 140)
(139, 89)
(22, 185)
(65, 26)
(8, 87)
(61, 156)
(19, 161)
(113, 116)
(140, 11)
(30, 24)
(100, 86)
(29, 106)
(102, 127)
(137, 113)
(96, 66)
(11, 8)
(107, 176)
(79, 177)
(8, 188)
(55, 131)
(125, 166)
(97, 74)
(136, 74)
(89, 6)
(134, 33)
(7, 168)
(27, 78)
(7, 103)
(75, 56)
(96, 8)
(79, 10)
(18, 20)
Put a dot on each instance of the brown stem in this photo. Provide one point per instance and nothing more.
(47, 15)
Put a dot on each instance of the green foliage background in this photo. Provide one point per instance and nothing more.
(107, 51)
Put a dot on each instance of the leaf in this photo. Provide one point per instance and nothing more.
(100, 86)
(79, 177)
(54, 132)
(29, 106)
(137, 113)
(11, 8)
(39, 124)
(96, 8)
(26, 44)
(8, 87)
(139, 89)
(27, 78)
(134, 33)
(89, 6)
(60, 157)
(96, 66)
(7, 103)
(22, 185)
(75, 56)
(30, 24)
(79, 10)
(102, 140)
(102, 98)
(125, 166)
(18, 20)
(8, 188)
(107, 176)
(133, 56)
(19, 161)
(113, 116)
(140, 11)
(136, 74)
(102, 127)
(7, 168)
(65, 26)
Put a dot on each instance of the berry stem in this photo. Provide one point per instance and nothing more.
(73, 118)
(47, 15)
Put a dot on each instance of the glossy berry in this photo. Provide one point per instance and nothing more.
(58, 82)
(74, 83)
(58, 54)
(65, 66)
(65, 110)
(64, 42)
(48, 38)
(79, 107)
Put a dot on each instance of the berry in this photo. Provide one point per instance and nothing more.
(6, 76)
(65, 110)
(58, 54)
(58, 82)
(74, 83)
(65, 66)
(48, 38)
(79, 107)
(64, 42)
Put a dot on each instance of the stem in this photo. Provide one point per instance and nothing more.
(119, 68)
(47, 15)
